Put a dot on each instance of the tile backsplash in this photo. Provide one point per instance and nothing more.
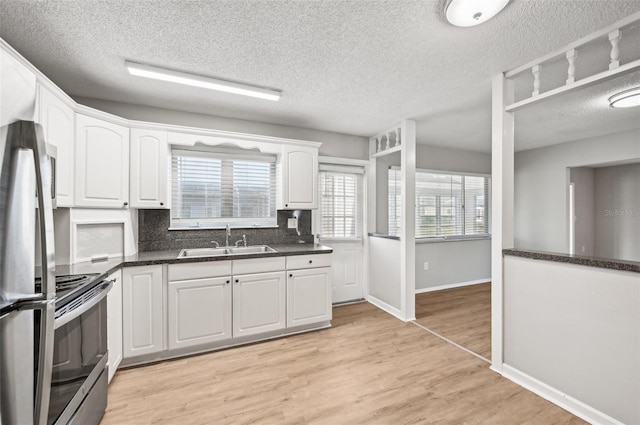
(154, 233)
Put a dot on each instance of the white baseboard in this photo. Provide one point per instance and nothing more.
(386, 307)
(453, 285)
(557, 397)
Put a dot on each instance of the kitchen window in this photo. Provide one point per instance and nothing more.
(447, 205)
(341, 202)
(212, 189)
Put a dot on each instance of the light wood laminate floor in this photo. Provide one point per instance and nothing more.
(462, 315)
(369, 368)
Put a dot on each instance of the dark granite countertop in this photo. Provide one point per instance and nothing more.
(171, 257)
(606, 263)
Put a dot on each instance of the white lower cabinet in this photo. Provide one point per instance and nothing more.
(199, 311)
(308, 296)
(258, 303)
(211, 304)
(114, 323)
(143, 310)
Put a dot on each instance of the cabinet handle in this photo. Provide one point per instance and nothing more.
(161, 203)
(126, 203)
(290, 274)
(286, 205)
(310, 261)
(237, 281)
(228, 282)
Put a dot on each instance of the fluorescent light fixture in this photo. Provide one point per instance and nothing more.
(194, 80)
(467, 13)
(625, 99)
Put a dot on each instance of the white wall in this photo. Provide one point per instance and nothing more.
(454, 261)
(577, 330)
(541, 191)
(333, 144)
(384, 273)
(617, 212)
(437, 158)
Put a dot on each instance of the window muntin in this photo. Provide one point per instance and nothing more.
(211, 189)
(447, 205)
(340, 204)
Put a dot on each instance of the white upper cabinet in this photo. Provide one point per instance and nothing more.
(102, 163)
(17, 90)
(57, 119)
(148, 171)
(299, 178)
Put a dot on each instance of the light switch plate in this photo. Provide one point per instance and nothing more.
(292, 223)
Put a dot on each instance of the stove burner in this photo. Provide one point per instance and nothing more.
(66, 283)
(71, 281)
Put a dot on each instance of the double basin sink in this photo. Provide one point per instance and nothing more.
(215, 252)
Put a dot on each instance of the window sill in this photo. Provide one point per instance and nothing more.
(325, 239)
(452, 239)
(222, 228)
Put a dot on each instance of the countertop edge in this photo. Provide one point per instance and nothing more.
(605, 263)
(151, 258)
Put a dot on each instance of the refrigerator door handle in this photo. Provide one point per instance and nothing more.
(45, 212)
(45, 355)
(33, 138)
(45, 363)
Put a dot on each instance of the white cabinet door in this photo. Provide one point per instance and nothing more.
(199, 311)
(114, 323)
(102, 163)
(17, 90)
(58, 123)
(299, 178)
(142, 313)
(148, 171)
(258, 303)
(308, 296)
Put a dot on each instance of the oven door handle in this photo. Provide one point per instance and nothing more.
(83, 308)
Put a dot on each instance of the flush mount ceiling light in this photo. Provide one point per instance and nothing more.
(467, 13)
(194, 80)
(625, 99)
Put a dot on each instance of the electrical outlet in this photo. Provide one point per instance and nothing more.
(426, 265)
(292, 223)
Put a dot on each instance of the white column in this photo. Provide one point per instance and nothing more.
(408, 220)
(502, 182)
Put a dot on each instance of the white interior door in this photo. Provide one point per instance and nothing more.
(348, 270)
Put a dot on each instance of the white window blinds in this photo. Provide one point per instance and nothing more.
(341, 201)
(446, 204)
(212, 189)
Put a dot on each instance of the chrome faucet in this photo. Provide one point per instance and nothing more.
(227, 235)
(243, 241)
(217, 244)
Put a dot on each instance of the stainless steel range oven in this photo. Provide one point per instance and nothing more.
(79, 378)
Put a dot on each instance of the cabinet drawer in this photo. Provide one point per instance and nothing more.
(308, 261)
(258, 265)
(199, 270)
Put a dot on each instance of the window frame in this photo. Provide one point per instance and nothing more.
(359, 170)
(227, 189)
(461, 210)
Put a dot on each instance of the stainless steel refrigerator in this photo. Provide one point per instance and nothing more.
(26, 311)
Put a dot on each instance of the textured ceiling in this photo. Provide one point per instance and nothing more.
(354, 67)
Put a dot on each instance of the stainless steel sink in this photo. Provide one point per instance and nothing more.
(203, 252)
(256, 249)
(216, 252)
